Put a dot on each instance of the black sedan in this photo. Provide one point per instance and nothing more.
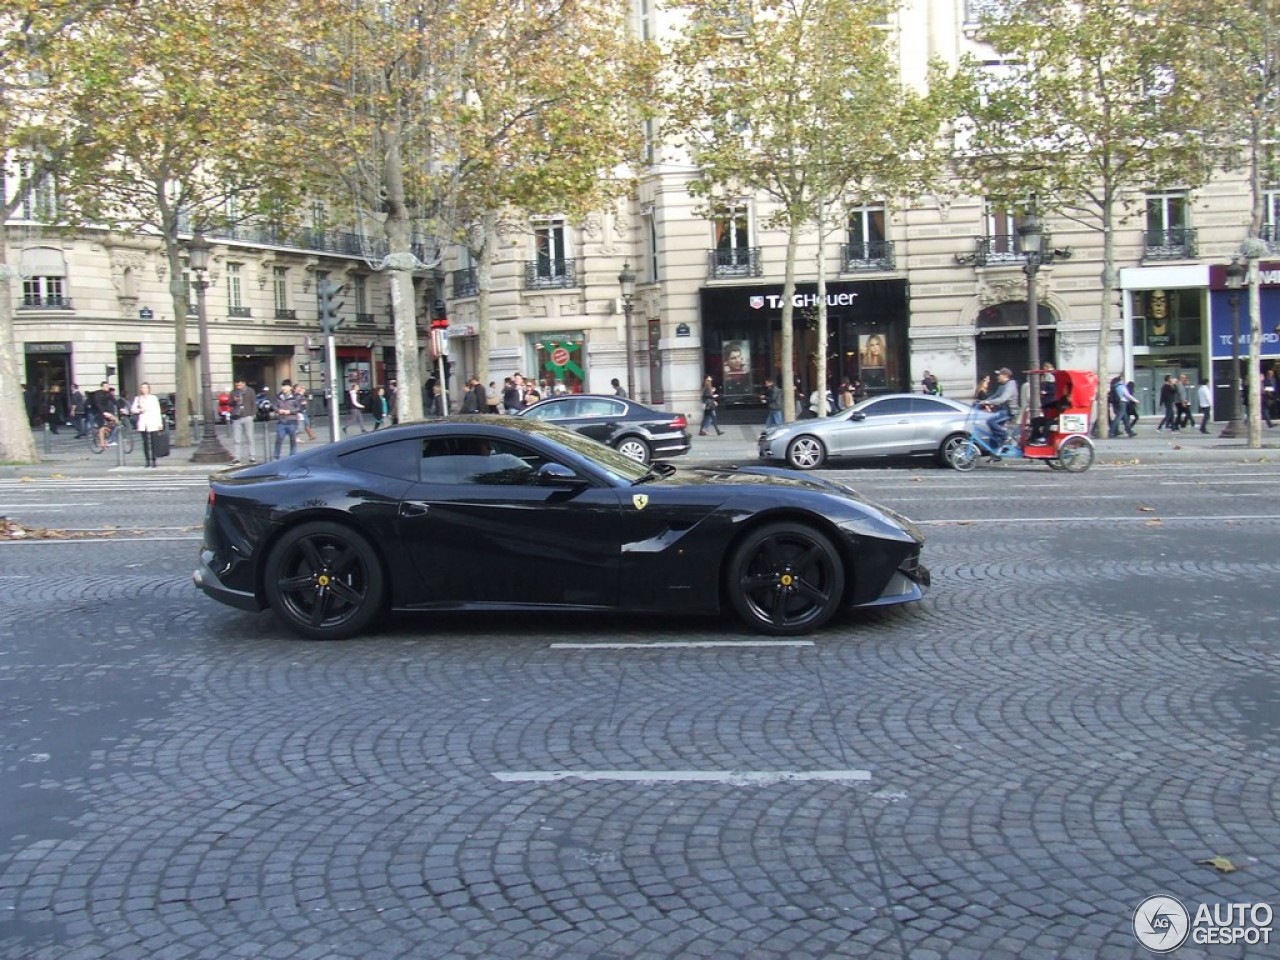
(640, 432)
(506, 513)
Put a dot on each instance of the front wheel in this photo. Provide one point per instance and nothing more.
(806, 453)
(94, 444)
(949, 446)
(964, 455)
(1076, 454)
(786, 579)
(636, 448)
(126, 439)
(325, 581)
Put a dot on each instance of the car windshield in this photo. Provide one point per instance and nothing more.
(622, 468)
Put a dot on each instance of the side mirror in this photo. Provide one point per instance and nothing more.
(858, 416)
(557, 475)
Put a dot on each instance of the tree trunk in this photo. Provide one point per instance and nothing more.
(402, 263)
(821, 353)
(17, 444)
(1104, 320)
(788, 374)
(183, 391)
(484, 292)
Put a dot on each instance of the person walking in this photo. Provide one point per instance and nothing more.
(357, 408)
(772, 398)
(287, 407)
(304, 414)
(381, 408)
(1123, 398)
(1204, 397)
(54, 406)
(393, 394)
(929, 384)
(77, 410)
(1185, 419)
(471, 402)
(1168, 400)
(244, 408)
(618, 390)
(710, 402)
(146, 407)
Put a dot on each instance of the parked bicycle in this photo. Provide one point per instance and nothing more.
(121, 434)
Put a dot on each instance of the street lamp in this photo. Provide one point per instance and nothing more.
(210, 449)
(1032, 233)
(627, 281)
(1235, 280)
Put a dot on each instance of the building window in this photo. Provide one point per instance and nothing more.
(551, 266)
(651, 237)
(1002, 233)
(280, 288)
(360, 291)
(1167, 318)
(44, 292)
(40, 202)
(868, 246)
(1271, 217)
(733, 255)
(1168, 234)
(235, 291)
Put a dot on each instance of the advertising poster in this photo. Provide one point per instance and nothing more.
(872, 353)
(737, 367)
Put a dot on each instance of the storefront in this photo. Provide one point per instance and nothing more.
(560, 360)
(262, 367)
(867, 325)
(1221, 336)
(1165, 329)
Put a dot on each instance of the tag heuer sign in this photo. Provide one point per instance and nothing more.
(757, 302)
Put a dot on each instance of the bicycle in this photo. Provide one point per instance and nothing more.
(120, 434)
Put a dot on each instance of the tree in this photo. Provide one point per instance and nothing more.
(799, 101)
(1093, 102)
(160, 142)
(1241, 68)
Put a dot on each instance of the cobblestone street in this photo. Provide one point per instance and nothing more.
(1082, 709)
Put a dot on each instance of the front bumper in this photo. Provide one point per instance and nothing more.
(207, 580)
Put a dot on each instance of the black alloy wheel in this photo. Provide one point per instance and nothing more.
(325, 581)
(786, 579)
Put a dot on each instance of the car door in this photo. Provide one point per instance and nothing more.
(933, 420)
(598, 417)
(481, 530)
(885, 430)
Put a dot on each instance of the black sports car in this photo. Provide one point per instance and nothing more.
(641, 432)
(483, 512)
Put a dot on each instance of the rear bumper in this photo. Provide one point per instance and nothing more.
(208, 581)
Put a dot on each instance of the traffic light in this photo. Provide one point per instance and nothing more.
(439, 316)
(328, 304)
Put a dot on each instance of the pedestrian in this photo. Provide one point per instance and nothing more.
(772, 398)
(1168, 400)
(54, 406)
(77, 410)
(983, 389)
(493, 398)
(710, 402)
(512, 395)
(244, 408)
(1204, 396)
(357, 408)
(393, 399)
(381, 408)
(1182, 407)
(436, 407)
(287, 406)
(1131, 405)
(471, 402)
(146, 407)
(1268, 396)
(304, 414)
(1123, 398)
(848, 395)
(617, 388)
(929, 384)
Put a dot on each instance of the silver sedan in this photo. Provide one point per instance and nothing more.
(890, 425)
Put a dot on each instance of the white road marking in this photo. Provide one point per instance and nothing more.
(104, 538)
(59, 507)
(669, 644)
(1145, 518)
(737, 778)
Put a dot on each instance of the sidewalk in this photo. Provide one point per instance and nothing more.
(62, 455)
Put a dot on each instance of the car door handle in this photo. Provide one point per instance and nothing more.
(414, 508)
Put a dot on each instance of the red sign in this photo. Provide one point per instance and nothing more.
(559, 356)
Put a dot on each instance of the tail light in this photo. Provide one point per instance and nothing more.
(680, 422)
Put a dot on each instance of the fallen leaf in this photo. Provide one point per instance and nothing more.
(1147, 509)
(1221, 864)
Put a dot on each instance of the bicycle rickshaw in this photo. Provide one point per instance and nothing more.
(1059, 437)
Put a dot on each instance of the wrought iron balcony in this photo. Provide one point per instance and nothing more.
(34, 302)
(465, 283)
(866, 255)
(1006, 249)
(312, 239)
(283, 314)
(366, 320)
(239, 312)
(1271, 236)
(734, 262)
(550, 274)
(1176, 244)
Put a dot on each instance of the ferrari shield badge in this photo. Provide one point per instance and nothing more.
(641, 500)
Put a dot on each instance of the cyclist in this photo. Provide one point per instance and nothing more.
(1003, 406)
(104, 410)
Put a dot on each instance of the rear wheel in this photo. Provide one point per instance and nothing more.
(1076, 454)
(806, 453)
(786, 579)
(948, 445)
(125, 436)
(324, 580)
(636, 448)
(964, 455)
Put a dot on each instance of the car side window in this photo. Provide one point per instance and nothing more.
(478, 461)
(888, 407)
(929, 405)
(398, 460)
(598, 407)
